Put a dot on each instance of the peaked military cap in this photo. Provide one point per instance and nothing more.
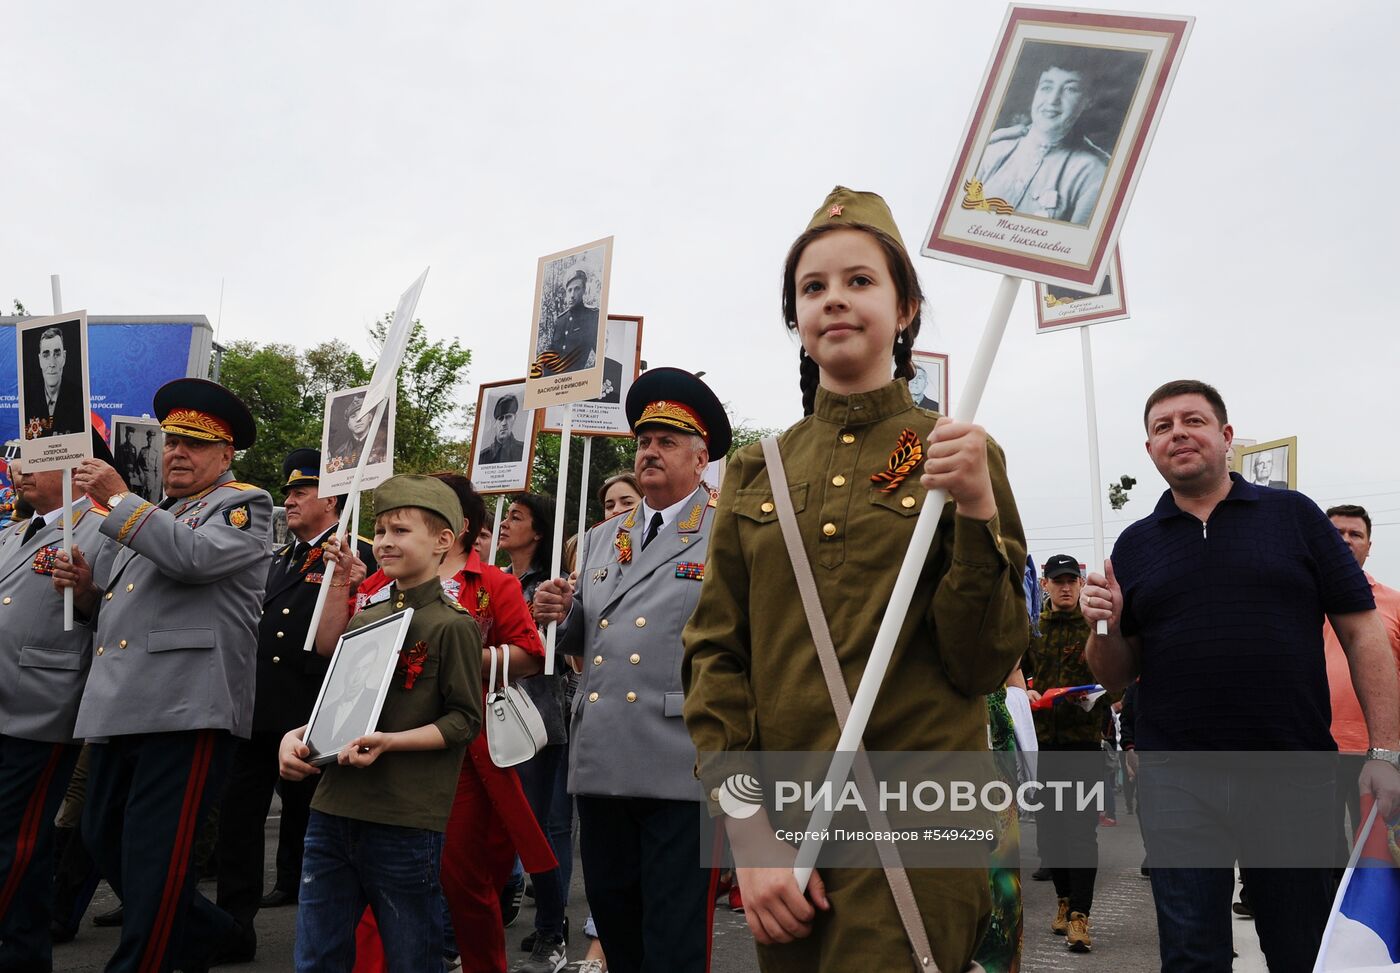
(677, 399)
(851, 206)
(201, 409)
(302, 467)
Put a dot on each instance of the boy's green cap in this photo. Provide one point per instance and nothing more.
(844, 205)
(424, 492)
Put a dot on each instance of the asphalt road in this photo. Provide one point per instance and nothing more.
(1123, 923)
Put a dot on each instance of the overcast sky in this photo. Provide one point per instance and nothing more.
(316, 157)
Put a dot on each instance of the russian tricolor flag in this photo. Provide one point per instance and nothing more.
(1363, 932)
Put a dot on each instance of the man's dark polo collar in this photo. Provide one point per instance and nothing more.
(1239, 490)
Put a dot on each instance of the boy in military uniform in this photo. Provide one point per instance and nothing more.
(378, 817)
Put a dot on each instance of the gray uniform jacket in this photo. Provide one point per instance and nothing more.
(177, 620)
(626, 735)
(42, 667)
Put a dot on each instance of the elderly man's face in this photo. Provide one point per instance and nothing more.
(51, 359)
(573, 291)
(918, 383)
(191, 465)
(1263, 467)
(668, 466)
(1060, 98)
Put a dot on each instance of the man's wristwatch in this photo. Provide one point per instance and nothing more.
(115, 499)
(1391, 757)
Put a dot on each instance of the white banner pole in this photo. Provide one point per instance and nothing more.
(496, 528)
(67, 513)
(352, 503)
(583, 486)
(897, 608)
(1095, 487)
(556, 558)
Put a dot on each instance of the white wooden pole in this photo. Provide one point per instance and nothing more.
(496, 527)
(1095, 487)
(556, 559)
(67, 512)
(583, 486)
(897, 608)
(352, 503)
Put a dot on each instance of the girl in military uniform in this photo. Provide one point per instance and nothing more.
(853, 469)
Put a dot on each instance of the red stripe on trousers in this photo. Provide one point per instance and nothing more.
(154, 956)
(28, 838)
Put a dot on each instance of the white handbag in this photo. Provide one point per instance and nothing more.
(514, 729)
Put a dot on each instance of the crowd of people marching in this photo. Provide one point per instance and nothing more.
(143, 746)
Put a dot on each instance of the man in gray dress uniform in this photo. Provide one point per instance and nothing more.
(42, 671)
(631, 762)
(171, 686)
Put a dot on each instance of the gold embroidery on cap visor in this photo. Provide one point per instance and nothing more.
(197, 425)
(299, 475)
(675, 415)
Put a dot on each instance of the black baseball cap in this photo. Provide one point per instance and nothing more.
(1060, 565)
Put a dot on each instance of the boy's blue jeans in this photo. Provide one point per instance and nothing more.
(349, 864)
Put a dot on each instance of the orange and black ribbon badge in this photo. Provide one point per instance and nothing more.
(552, 363)
(623, 542)
(908, 454)
(975, 200)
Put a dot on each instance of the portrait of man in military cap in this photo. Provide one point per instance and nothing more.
(566, 343)
(622, 363)
(343, 435)
(504, 443)
(137, 443)
(503, 438)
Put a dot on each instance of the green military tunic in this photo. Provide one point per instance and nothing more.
(438, 681)
(752, 678)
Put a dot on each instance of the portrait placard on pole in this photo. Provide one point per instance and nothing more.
(1271, 464)
(503, 439)
(54, 398)
(929, 386)
(138, 443)
(1056, 141)
(622, 363)
(1059, 307)
(344, 431)
(566, 342)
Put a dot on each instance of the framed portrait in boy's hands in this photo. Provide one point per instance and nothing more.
(353, 690)
(929, 386)
(622, 363)
(1056, 140)
(1059, 307)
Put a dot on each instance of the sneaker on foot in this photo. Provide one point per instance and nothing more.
(511, 897)
(1061, 924)
(1106, 821)
(1077, 936)
(548, 956)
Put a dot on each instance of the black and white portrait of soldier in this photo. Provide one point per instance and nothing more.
(573, 337)
(138, 448)
(503, 440)
(1060, 120)
(349, 425)
(53, 388)
(1268, 468)
(351, 695)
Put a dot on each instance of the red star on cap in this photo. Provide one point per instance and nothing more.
(835, 210)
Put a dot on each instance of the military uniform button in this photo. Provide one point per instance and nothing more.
(829, 529)
(280, 634)
(593, 697)
(603, 623)
(276, 659)
(838, 480)
(597, 660)
(6, 601)
(109, 596)
(641, 622)
(766, 507)
(714, 794)
(122, 644)
(631, 697)
(99, 650)
(907, 502)
(634, 658)
(131, 587)
(286, 611)
(848, 438)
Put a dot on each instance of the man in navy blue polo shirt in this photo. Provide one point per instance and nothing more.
(1216, 600)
